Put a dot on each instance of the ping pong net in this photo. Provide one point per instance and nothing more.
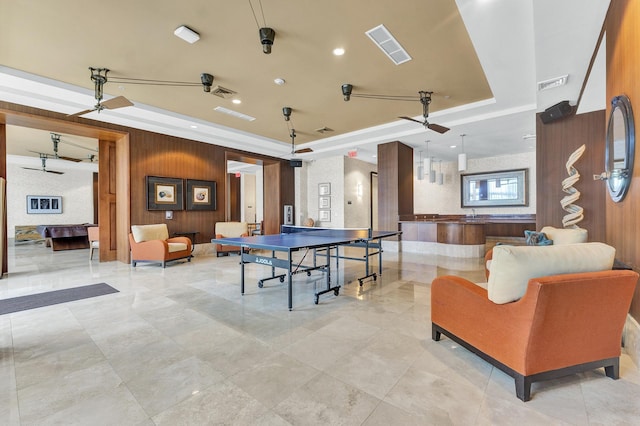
(347, 233)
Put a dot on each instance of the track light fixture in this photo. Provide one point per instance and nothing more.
(207, 81)
(346, 91)
(286, 111)
(267, 35)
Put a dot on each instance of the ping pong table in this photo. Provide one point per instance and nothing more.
(296, 238)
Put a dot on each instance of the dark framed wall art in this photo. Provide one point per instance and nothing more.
(201, 195)
(44, 204)
(164, 193)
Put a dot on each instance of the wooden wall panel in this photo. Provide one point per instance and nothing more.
(235, 196)
(107, 200)
(623, 68)
(555, 142)
(395, 183)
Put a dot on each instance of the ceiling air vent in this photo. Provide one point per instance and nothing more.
(223, 92)
(388, 44)
(234, 113)
(553, 82)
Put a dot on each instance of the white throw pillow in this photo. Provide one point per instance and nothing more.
(513, 266)
(565, 235)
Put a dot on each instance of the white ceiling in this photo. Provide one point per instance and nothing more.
(517, 44)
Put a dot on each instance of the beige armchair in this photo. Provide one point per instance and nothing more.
(151, 243)
(230, 230)
(93, 233)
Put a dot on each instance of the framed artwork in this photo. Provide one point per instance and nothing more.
(201, 195)
(164, 193)
(44, 204)
(324, 215)
(324, 202)
(324, 189)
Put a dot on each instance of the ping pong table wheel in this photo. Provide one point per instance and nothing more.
(282, 279)
(360, 281)
(260, 284)
(316, 299)
(375, 277)
(336, 291)
(308, 273)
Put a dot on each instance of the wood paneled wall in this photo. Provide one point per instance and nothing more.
(555, 142)
(3, 174)
(623, 71)
(235, 195)
(395, 183)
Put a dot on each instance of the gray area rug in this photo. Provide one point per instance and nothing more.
(32, 301)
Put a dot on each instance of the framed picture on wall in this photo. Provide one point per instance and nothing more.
(324, 189)
(201, 195)
(324, 215)
(164, 193)
(44, 204)
(324, 202)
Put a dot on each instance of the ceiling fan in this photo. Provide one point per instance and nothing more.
(286, 111)
(55, 139)
(425, 100)
(43, 159)
(99, 78)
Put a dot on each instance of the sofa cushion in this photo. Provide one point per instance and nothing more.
(149, 232)
(173, 247)
(513, 266)
(232, 229)
(565, 235)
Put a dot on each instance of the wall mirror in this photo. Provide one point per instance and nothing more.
(620, 148)
(503, 188)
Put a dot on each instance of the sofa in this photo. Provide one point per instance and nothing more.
(547, 311)
(151, 243)
(230, 230)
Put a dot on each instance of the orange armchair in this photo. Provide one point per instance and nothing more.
(151, 243)
(563, 324)
(230, 230)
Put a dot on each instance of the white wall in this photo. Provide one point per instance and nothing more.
(357, 208)
(248, 198)
(431, 198)
(75, 187)
(326, 170)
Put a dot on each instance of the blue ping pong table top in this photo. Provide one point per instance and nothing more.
(297, 237)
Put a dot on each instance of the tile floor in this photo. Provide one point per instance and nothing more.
(181, 346)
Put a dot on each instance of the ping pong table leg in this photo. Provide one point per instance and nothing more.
(242, 273)
(290, 289)
(380, 256)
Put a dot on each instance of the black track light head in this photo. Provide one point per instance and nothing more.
(267, 35)
(286, 111)
(207, 81)
(346, 91)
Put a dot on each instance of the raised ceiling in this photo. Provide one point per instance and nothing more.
(479, 57)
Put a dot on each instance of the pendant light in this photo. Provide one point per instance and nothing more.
(420, 168)
(462, 157)
(440, 174)
(428, 166)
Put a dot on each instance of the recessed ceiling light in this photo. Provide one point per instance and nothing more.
(279, 81)
(453, 146)
(193, 126)
(187, 34)
(236, 101)
(338, 51)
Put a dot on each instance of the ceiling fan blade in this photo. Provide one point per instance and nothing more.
(78, 114)
(303, 150)
(438, 128)
(117, 102)
(48, 171)
(411, 119)
(75, 160)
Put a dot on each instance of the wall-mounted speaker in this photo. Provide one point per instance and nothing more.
(556, 112)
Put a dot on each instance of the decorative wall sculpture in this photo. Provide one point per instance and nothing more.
(575, 212)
